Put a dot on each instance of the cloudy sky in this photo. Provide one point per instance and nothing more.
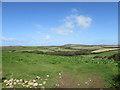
(44, 24)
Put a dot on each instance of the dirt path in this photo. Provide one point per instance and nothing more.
(66, 81)
(89, 81)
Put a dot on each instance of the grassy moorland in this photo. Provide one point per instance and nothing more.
(35, 67)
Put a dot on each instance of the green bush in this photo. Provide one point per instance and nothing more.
(61, 53)
(64, 53)
(117, 57)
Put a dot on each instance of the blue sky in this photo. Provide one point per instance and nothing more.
(50, 23)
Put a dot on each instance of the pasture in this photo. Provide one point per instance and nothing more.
(46, 70)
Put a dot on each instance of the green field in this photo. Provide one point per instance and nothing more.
(79, 71)
(87, 47)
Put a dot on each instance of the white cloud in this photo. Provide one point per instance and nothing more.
(38, 26)
(79, 21)
(46, 37)
(74, 10)
(69, 24)
(6, 39)
(38, 32)
(73, 22)
(62, 30)
(83, 21)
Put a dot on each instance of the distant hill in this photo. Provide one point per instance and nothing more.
(106, 46)
(74, 45)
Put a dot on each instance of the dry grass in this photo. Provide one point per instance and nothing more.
(104, 50)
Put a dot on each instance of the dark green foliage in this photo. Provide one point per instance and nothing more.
(61, 53)
(116, 57)
(68, 48)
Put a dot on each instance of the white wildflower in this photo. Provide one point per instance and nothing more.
(27, 86)
(40, 84)
(23, 85)
(10, 84)
(5, 81)
(46, 79)
(26, 81)
(14, 83)
(17, 81)
(34, 80)
(37, 77)
(44, 82)
(57, 85)
(14, 80)
(59, 73)
(21, 80)
(11, 79)
(47, 75)
(35, 84)
(60, 77)
(30, 83)
(78, 84)
(86, 82)
(7, 84)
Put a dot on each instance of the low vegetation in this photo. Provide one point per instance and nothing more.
(59, 68)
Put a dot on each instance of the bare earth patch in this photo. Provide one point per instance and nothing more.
(67, 80)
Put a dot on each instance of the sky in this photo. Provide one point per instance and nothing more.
(59, 23)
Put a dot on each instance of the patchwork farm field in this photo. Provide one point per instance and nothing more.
(60, 67)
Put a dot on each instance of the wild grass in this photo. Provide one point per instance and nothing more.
(29, 65)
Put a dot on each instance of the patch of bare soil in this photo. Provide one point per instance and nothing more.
(66, 80)
(94, 81)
